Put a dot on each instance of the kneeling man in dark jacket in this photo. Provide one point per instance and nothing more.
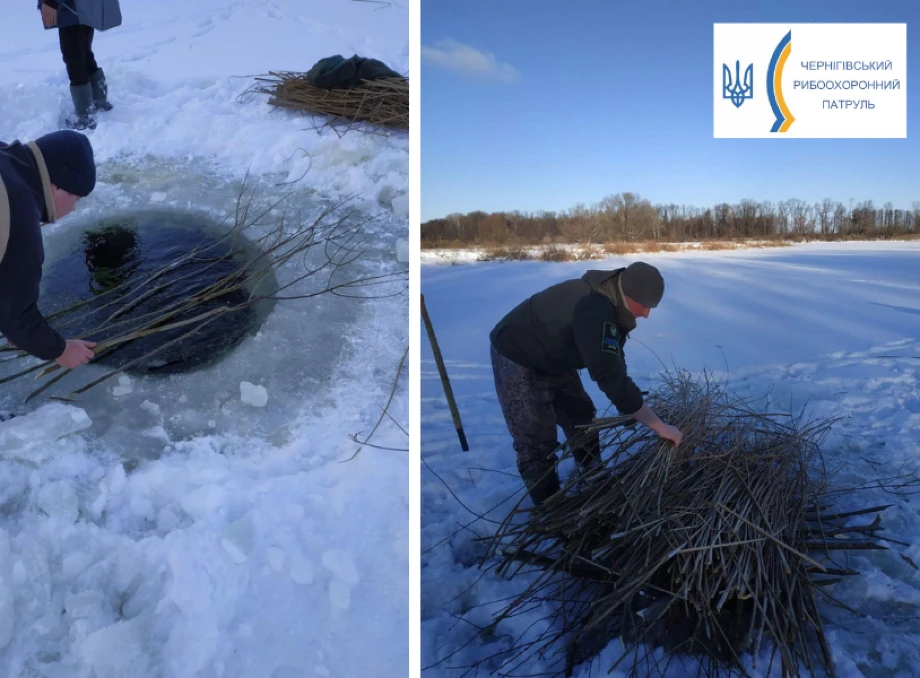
(538, 348)
(40, 182)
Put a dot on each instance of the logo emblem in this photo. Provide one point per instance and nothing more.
(610, 342)
(738, 90)
(781, 111)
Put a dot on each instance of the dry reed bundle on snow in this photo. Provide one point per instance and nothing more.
(719, 549)
(383, 102)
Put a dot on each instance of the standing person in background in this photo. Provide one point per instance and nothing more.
(77, 22)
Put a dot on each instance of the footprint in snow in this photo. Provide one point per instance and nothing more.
(301, 571)
(148, 50)
(341, 566)
(204, 28)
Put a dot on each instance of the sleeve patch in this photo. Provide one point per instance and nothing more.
(610, 343)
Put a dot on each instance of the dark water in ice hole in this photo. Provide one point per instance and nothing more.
(107, 267)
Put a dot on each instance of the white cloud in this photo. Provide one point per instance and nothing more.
(468, 60)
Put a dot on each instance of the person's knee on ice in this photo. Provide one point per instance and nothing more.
(42, 182)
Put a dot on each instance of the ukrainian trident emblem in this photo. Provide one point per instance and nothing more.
(738, 90)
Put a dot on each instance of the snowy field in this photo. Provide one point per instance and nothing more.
(596, 251)
(831, 328)
(217, 523)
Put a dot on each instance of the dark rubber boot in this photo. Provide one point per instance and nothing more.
(586, 449)
(100, 91)
(542, 484)
(83, 108)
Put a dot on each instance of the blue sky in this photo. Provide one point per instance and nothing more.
(590, 98)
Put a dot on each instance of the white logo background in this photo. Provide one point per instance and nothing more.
(862, 43)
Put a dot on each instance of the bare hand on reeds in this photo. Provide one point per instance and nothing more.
(77, 352)
(671, 433)
(49, 16)
(648, 417)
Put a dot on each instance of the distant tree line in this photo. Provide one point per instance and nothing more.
(627, 217)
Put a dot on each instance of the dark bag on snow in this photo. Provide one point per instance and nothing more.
(336, 72)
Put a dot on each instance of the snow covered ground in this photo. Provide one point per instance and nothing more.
(578, 251)
(217, 523)
(834, 328)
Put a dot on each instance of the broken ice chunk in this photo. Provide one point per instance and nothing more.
(253, 395)
(36, 429)
(124, 386)
(401, 205)
(402, 251)
(59, 500)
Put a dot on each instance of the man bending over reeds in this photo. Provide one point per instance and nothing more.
(538, 348)
(40, 182)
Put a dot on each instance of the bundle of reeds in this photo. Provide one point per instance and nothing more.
(320, 248)
(383, 102)
(718, 549)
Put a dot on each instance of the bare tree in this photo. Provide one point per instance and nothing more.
(840, 219)
(627, 216)
(493, 229)
(888, 220)
(825, 211)
(782, 217)
(582, 225)
(799, 214)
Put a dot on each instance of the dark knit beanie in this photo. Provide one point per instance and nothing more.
(69, 158)
(643, 283)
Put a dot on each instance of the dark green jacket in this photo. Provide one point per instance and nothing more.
(573, 325)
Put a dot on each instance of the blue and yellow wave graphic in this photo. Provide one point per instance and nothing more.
(784, 117)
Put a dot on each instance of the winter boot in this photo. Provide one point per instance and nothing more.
(586, 449)
(83, 107)
(541, 484)
(100, 91)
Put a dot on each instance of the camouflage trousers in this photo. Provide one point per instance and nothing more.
(533, 405)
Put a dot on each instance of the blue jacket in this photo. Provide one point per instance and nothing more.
(21, 263)
(99, 14)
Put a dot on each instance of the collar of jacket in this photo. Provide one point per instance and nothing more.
(4, 219)
(50, 215)
(608, 283)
